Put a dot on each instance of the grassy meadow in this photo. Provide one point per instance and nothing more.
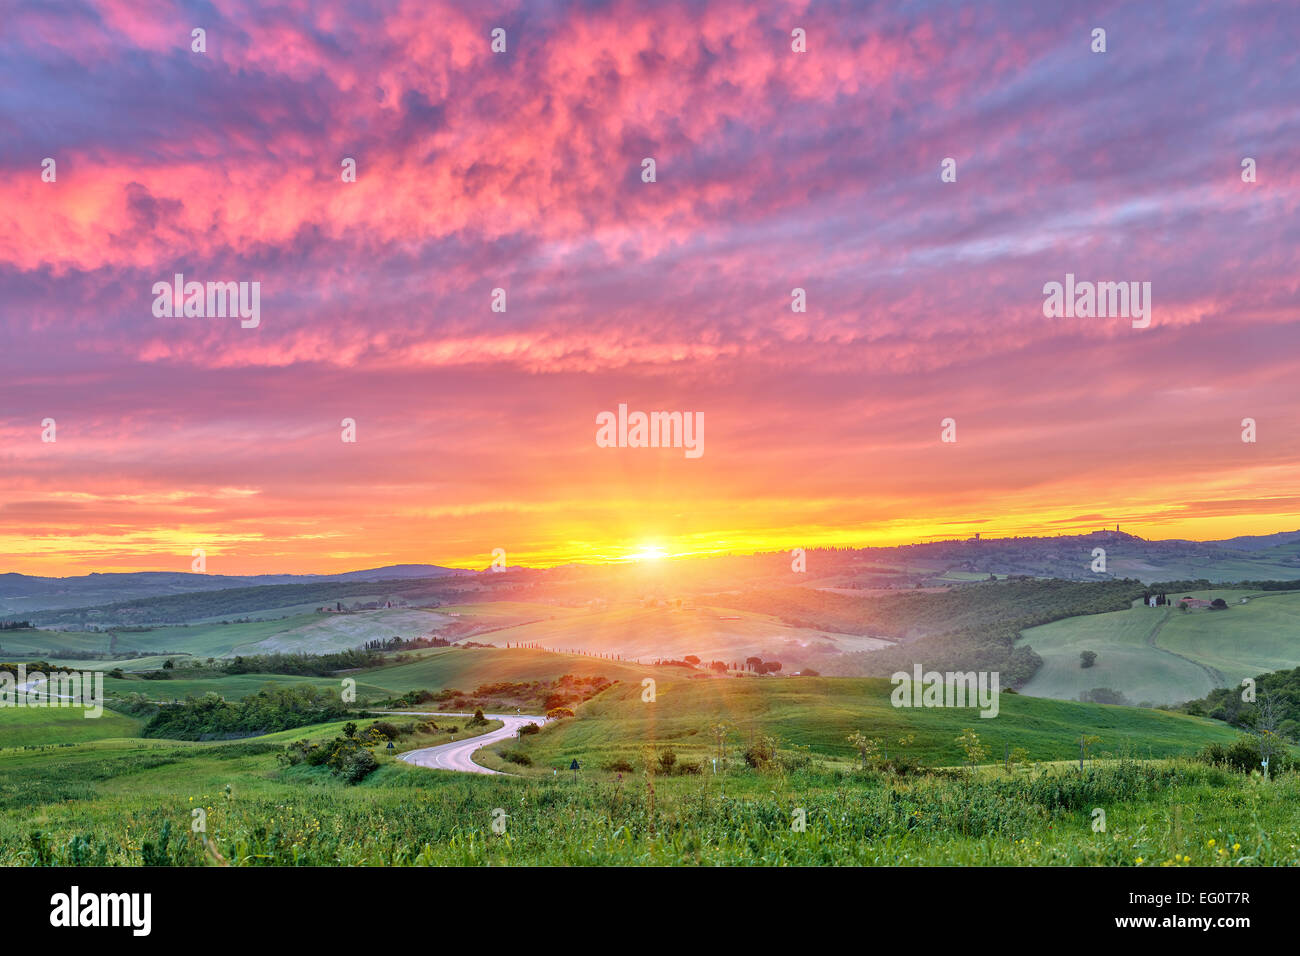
(1162, 655)
(820, 713)
(92, 791)
(130, 801)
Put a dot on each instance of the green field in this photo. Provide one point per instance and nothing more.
(96, 794)
(112, 801)
(229, 686)
(466, 668)
(305, 633)
(459, 668)
(1259, 636)
(820, 713)
(669, 632)
(41, 726)
(1281, 563)
(1162, 655)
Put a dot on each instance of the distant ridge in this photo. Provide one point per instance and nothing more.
(20, 592)
(1259, 542)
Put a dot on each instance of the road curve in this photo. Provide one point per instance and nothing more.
(458, 755)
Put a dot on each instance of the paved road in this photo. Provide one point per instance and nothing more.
(31, 690)
(458, 755)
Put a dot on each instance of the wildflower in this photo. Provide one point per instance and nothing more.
(1211, 843)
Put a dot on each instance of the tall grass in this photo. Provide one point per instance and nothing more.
(1156, 812)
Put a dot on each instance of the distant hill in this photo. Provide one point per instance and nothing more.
(21, 593)
(393, 572)
(1259, 542)
(926, 565)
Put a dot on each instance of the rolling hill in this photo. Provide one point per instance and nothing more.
(1162, 655)
(820, 713)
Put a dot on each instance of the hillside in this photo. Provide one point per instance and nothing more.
(23, 593)
(1162, 655)
(820, 713)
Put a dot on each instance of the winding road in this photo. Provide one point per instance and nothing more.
(458, 755)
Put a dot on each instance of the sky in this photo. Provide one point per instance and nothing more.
(774, 170)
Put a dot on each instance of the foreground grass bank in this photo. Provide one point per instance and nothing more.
(130, 802)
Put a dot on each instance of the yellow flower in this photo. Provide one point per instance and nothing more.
(1138, 861)
(1236, 847)
(1211, 843)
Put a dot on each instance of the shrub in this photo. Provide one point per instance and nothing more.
(619, 765)
(529, 728)
(901, 766)
(1103, 695)
(556, 713)
(761, 752)
(796, 758)
(517, 756)
(156, 854)
(1243, 756)
(358, 765)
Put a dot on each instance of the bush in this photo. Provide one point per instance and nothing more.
(901, 766)
(358, 765)
(1103, 695)
(529, 728)
(1243, 756)
(557, 713)
(761, 752)
(619, 765)
(517, 756)
(156, 854)
(796, 758)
